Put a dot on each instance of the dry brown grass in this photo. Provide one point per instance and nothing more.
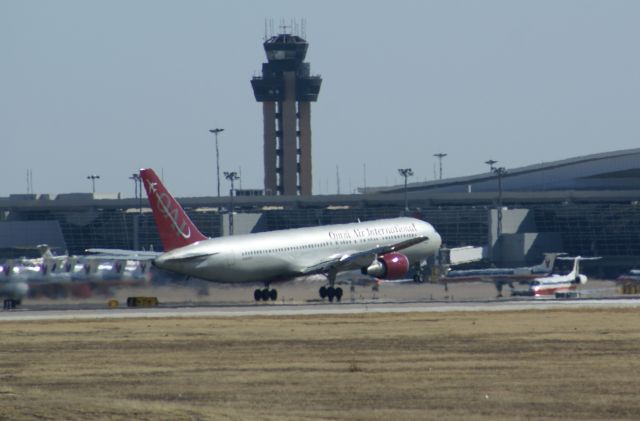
(578, 364)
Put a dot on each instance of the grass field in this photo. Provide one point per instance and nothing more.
(579, 364)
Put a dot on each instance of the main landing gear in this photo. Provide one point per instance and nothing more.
(265, 294)
(10, 304)
(331, 291)
(500, 284)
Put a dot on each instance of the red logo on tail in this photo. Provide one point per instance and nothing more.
(174, 226)
(164, 203)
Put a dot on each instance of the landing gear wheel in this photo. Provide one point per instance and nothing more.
(10, 304)
(331, 292)
(323, 292)
(257, 295)
(265, 294)
(273, 294)
(338, 293)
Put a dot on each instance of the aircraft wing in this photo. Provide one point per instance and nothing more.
(579, 258)
(359, 259)
(115, 254)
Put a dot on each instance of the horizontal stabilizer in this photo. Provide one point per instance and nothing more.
(101, 253)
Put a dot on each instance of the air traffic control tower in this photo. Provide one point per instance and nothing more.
(286, 89)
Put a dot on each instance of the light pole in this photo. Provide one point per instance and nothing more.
(137, 181)
(231, 176)
(93, 179)
(490, 163)
(135, 178)
(215, 132)
(440, 156)
(500, 172)
(406, 173)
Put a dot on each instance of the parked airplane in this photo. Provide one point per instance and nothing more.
(12, 288)
(512, 274)
(557, 283)
(63, 275)
(503, 276)
(384, 248)
(632, 276)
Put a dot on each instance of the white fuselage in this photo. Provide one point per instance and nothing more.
(549, 285)
(281, 255)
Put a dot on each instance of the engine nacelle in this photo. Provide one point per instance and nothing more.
(14, 290)
(581, 279)
(388, 266)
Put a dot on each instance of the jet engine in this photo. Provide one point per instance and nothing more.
(14, 290)
(580, 279)
(388, 266)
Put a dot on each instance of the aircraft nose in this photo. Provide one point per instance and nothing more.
(437, 239)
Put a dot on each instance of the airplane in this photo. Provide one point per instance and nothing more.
(59, 276)
(632, 275)
(12, 288)
(556, 283)
(503, 276)
(385, 248)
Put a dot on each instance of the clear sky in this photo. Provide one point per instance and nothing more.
(108, 87)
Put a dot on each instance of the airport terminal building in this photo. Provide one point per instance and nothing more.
(588, 206)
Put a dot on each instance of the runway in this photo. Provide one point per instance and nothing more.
(274, 310)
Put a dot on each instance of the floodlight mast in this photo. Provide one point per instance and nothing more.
(215, 132)
(231, 176)
(93, 178)
(406, 173)
(500, 172)
(491, 163)
(440, 156)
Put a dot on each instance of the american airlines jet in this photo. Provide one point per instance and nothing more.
(557, 283)
(384, 248)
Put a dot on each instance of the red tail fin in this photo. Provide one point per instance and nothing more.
(174, 225)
